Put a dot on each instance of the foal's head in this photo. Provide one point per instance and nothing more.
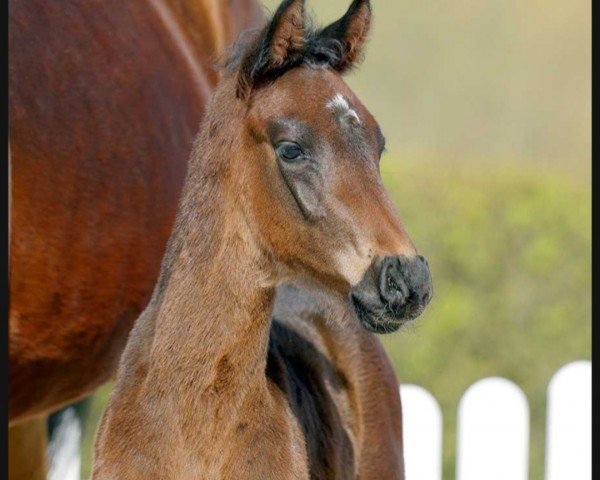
(307, 166)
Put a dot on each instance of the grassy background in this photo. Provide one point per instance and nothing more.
(486, 108)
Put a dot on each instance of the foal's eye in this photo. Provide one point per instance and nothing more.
(289, 151)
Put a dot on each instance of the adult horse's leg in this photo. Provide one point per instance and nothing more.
(27, 442)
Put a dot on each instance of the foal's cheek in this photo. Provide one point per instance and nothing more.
(306, 186)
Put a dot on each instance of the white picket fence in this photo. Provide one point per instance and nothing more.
(492, 435)
(493, 429)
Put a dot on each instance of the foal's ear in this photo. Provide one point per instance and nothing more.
(281, 43)
(351, 32)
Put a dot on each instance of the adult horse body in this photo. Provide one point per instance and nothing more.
(105, 98)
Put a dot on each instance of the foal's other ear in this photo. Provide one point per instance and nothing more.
(351, 32)
(281, 43)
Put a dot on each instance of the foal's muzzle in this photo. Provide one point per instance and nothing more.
(393, 291)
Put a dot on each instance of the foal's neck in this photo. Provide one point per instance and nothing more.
(212, 305)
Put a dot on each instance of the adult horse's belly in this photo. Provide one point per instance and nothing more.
(105, 98)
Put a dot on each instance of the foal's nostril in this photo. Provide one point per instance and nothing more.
(396, 290)
(405, 283)
(392, 287)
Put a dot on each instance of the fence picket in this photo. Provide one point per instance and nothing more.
(569, 423)
(65, 449)
(422, 428)
(493, 432)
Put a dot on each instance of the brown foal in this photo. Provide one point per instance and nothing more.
(283, 185)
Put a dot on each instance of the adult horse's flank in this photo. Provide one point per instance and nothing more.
(283, 184)
(105, 98)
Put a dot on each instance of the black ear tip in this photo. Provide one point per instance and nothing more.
(286, 8)
(288, 3)
(357, 5)
(362, 3)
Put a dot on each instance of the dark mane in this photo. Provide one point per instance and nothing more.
(244, 56)
(289, 40)
(320, 50)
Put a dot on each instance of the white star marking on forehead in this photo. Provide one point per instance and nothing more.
(340, 106)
